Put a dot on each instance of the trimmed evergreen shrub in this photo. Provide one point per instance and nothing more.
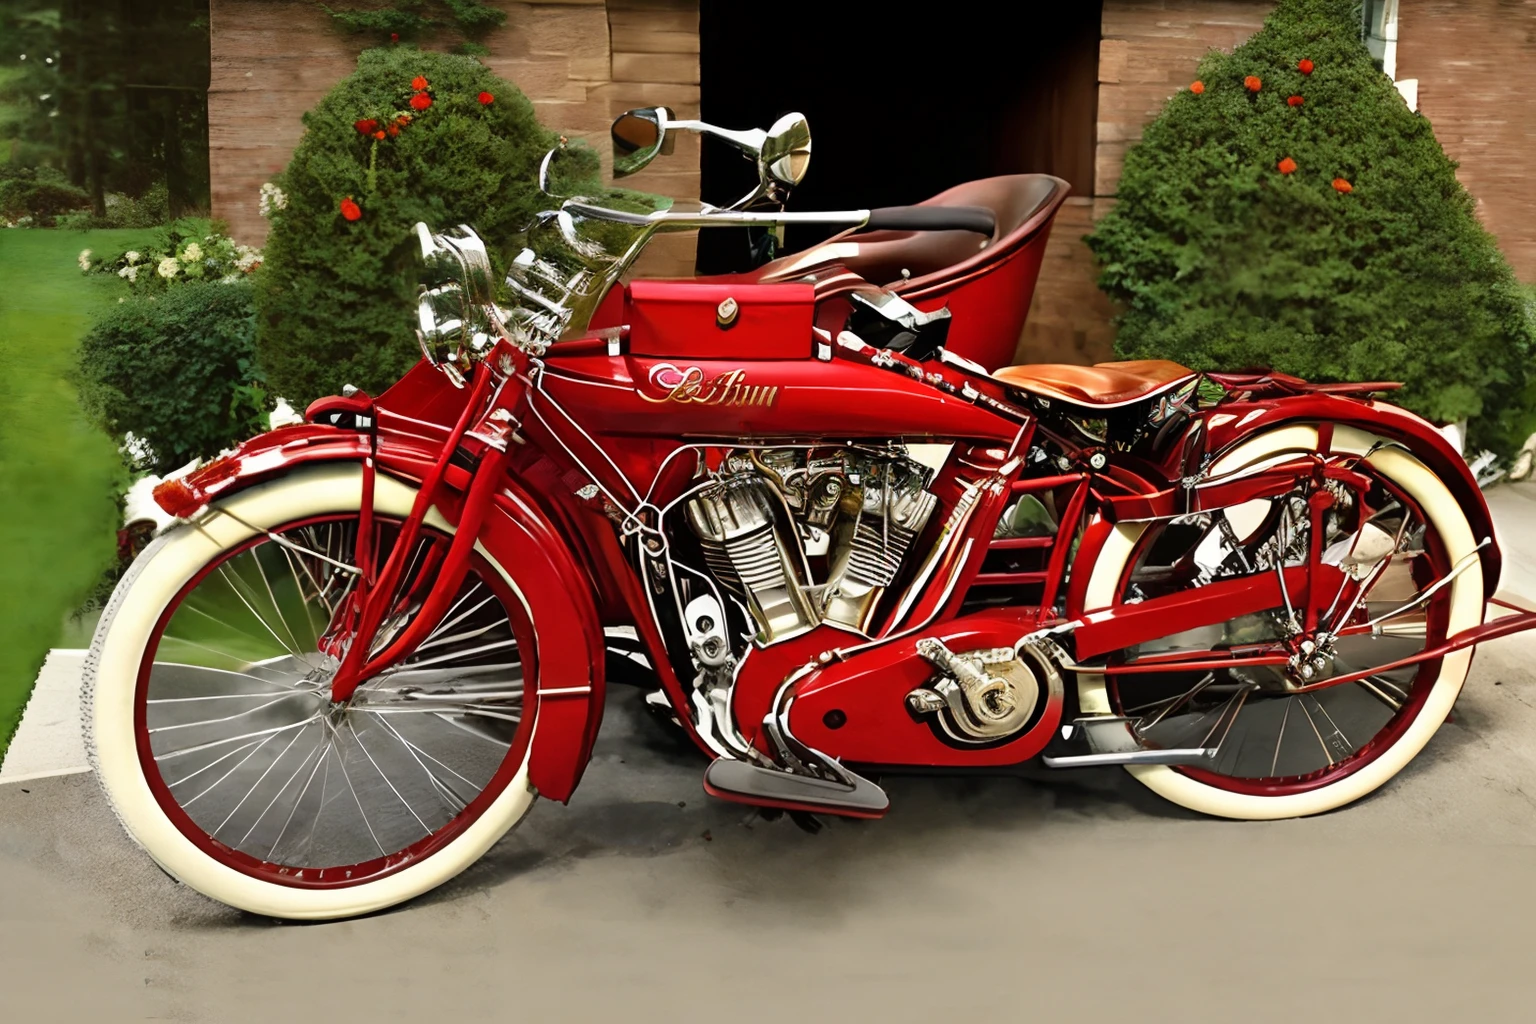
(39, 194)
(336, 296)
(1289, 211)
(178, 370)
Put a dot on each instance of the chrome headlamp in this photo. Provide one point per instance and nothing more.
(457, 317)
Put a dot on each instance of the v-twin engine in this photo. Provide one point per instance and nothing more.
(810, 536)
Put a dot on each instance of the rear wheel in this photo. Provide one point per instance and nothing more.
(213, 732)
(1410, 578)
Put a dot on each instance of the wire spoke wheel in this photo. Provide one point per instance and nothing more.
(1271, 737)
(1393, 574)
(249, 756)
(209, 720)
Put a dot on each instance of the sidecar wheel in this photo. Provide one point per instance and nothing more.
(1292, 754)
(209, 722)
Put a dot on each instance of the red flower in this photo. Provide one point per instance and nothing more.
(394, 129)
(1253, 83)
(1340, 185)
(1197, 87)
(1304, 66)
(379, 134)
(486, 99)
(1295, 101)
(418, 83)
(394, 37)
(421, 101)
(1286, 166)
(350, 210)
(365, 127)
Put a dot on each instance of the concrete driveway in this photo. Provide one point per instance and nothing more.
(1067, 896)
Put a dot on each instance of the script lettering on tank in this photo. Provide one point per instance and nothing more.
(689, 385)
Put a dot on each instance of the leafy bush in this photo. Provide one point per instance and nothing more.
(1315, 226)
(335, 297)
(179, 253)
(178, 370)
(38, 195)
(149, 210)
(410, 19)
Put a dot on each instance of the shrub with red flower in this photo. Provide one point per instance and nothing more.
(486, 99)
(365, 126)
(350, 210)
(324, 268)
(1197, 87)
(418, 83)
(1334, 289)
(421, 101)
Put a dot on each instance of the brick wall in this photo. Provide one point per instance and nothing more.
(1148, 51)
(1476, 65)
(581, 62)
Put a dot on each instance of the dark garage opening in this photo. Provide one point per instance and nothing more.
(900, 107)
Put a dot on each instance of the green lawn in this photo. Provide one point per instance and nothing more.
(58, 516)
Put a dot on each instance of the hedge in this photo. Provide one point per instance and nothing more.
(178, 370)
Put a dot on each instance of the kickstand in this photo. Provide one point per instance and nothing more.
(807, 821)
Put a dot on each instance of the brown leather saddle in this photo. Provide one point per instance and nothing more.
(1103, 385)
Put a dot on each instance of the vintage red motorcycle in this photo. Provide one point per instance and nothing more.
(808, 498)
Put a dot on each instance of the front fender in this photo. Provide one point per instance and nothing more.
(567, 703)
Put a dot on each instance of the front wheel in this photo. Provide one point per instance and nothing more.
(210, 724)
(1403, 576)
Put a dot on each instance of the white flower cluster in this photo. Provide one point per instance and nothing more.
(130, 273)
(192, 253)
(85, 259)
(247, 259)
(168, 267)
(272, 199)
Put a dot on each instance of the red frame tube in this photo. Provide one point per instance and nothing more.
(372, 609)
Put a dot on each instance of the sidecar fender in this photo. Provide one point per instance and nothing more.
(558, 593)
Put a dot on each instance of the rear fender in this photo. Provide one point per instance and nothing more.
(568, 703)
(1229, 426)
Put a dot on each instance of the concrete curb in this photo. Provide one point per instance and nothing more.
(49, 741)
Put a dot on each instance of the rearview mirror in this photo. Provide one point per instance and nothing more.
(639, 136)
(786, 152)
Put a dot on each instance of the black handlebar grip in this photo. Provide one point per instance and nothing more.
(932, 218)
